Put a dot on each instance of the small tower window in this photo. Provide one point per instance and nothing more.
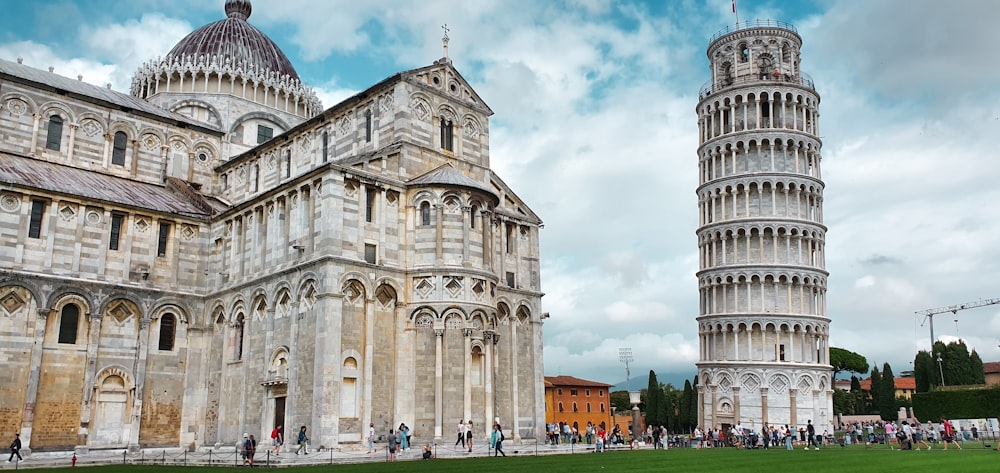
(116, 231)
(472, 216)
(54, 137)
(368, 126)
(35, 222)
(326, 146)
(118, 152)
(447, 131)
(168, 325)
(163, 239)
(69, 321)
(425, 213)
(264, 133)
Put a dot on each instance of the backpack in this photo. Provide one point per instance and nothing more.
(501, 436)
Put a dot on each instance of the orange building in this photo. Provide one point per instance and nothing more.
(991, 370)
(905, 387)
(577, 401)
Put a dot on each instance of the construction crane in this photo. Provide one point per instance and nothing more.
(930, 313)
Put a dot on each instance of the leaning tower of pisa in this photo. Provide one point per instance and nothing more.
(762, 325)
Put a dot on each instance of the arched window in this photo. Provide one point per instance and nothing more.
(118, 152)
(326, 146)
(575, 409)
(368, 125)
(69, 321)
(447, 131)
(602, 407)
(54, 138)
(238, 328)
(425, 213)
(168, 325)
(588, 407)
(472, 215)
(561, 407)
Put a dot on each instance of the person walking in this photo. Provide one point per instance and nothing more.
(15, 449)
(371, 438)
(247, 450)
(303, 442)
(497, 440)
(949, 434)
(277, 437)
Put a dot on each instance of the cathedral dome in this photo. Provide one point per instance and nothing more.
(236, 42)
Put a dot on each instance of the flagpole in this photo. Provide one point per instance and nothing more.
(737, 13)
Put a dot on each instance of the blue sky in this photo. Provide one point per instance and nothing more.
(595, 128)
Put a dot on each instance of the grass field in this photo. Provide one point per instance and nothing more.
(833, 459)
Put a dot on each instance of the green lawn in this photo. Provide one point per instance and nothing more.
(832, 459)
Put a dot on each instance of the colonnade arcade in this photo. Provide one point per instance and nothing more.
(762, 244)
(763, 293)
(764, 341)
(759, 110)
(761, 198)
(729, 157)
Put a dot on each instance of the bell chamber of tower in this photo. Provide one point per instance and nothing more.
(762, 324)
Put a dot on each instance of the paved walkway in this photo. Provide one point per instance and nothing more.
(225, 456)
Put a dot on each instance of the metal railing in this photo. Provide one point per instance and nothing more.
(708, 88)
(753, 24)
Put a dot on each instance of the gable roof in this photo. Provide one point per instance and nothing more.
(899, 383)
(29, 173)
(91, 93)
(447, 175)
(573, 381)
(423, 77)
(991, 367)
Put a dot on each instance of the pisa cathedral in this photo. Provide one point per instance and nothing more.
(763, 328)
(216, 253)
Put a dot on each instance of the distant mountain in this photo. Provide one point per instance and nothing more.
(641, 382)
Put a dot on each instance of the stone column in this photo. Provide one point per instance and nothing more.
(93, 341)
(467, 374)
(438, 383)
(327, 367)
(714, 388)
(34, 133)
(489, 340)
(466, 220)
(438, 234)
(793, 408)
(31, 394)
(702, 420)
(736, 402)
(763, 404)
(72, 141)
(369, 366)
(141, 353)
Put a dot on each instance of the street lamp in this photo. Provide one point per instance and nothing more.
(625, 356)
(940, 370)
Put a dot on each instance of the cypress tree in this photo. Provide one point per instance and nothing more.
(875, 392)
(887, 394)
(653, 399)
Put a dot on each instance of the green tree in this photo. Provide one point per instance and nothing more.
(925, 371)
(887, 394)
(619, 400)
(653, 399)
(667, 408)
(976, 363)
(684, 418)
(846, 360)
(874, 392)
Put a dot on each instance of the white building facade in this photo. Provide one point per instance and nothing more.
(763, 328)
(216, 253)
